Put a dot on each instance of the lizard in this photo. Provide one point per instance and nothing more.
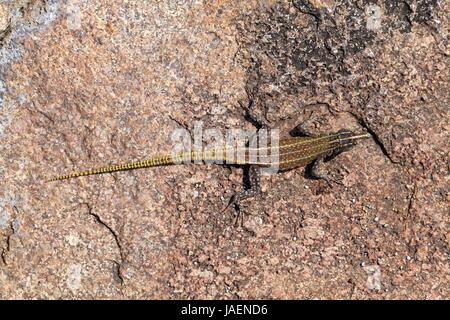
(292, 152)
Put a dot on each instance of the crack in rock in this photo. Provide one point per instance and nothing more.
(12, 231)
(8, 244)
(118, 274)
(375, 137)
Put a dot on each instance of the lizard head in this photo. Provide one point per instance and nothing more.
(346, 139)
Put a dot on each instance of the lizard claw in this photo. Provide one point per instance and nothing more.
(234, 201)
(231, 202)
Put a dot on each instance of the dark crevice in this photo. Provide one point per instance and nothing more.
(375, 137)
(118, 272)
(184, 126)
(116, 238)
(33, 110)
(9, 236)
(8, 242)
(411, 200)
(4, 257)
(305, 7)
(4, 34)
(352, 289)
(256, 120)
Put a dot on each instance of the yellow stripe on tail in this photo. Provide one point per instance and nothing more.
(153, 162)
(164, 160)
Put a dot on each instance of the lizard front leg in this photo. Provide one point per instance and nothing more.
(317, 172)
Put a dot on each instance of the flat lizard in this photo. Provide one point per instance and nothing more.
(291, 152)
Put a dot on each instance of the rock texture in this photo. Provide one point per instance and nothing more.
(89, 83)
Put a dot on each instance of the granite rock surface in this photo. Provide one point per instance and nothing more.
(90, 83)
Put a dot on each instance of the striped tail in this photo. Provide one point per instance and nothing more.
(153, 162)
(164, 160)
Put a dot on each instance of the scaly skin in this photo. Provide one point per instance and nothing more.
(290, 153)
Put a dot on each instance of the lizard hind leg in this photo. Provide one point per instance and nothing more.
(255, 189)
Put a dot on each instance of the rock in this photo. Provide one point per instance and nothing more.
(90, 83)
